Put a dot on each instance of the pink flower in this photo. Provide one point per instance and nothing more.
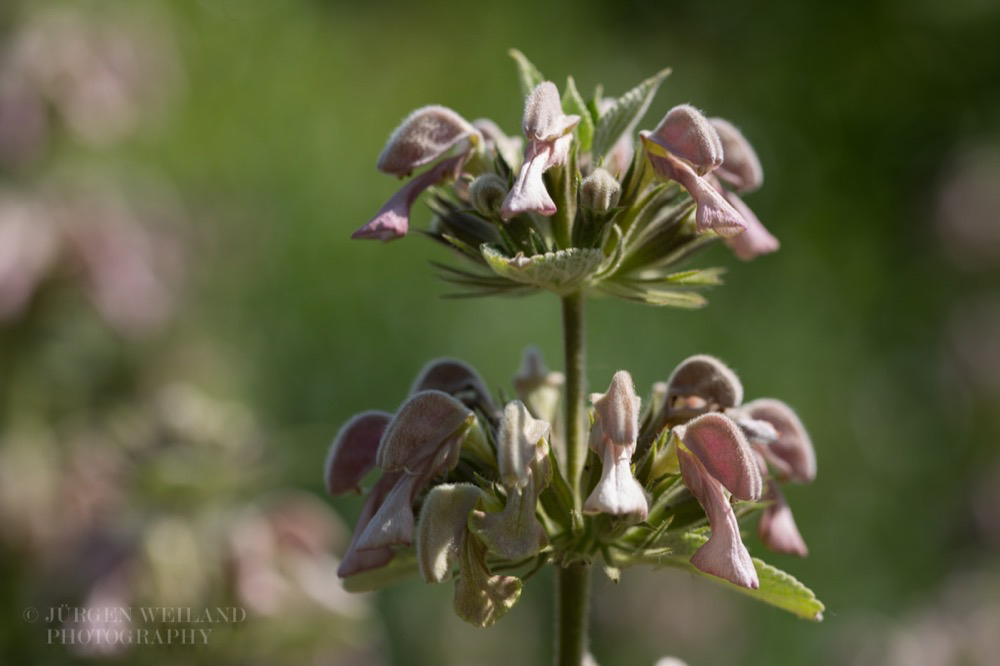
(715, 457)
(741, 170)
(549, 132)
(684, 147)
(425, 135)
(613, 438)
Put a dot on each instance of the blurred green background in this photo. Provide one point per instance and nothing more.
(251, 145)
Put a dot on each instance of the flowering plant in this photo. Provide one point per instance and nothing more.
(489, 493)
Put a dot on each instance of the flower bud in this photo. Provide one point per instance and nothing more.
(487, 194)
(600, 191)
(425, 135)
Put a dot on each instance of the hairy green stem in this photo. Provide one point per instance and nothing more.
(572, 611)
(573, 582)
(575, 364)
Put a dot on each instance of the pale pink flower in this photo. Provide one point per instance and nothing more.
(715, 457)
(613, 438)
(684, 147)
(550, 133)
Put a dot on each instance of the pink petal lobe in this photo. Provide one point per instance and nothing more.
(392, 221)
(356, 561)
(777, 528)
(756, 240)
(528, 193)
(714, 212)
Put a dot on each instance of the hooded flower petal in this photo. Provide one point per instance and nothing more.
(613, 438)
(722, 449)
(456, 378)
(425, 135)
(352, 454)
(687, 133)
(777, 528)
(792, 454)
(700, 384)
(715, 456)
(740, 166)
(544, 120)
(393, 220)
(619, 410)
(424, 434)
(442, 528)
(539, 387)
(521, 440)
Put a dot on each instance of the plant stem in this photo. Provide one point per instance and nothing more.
(572, 612)
(573, 582)
(575, 364)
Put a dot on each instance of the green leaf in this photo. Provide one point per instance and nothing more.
(573, 104)
(528, 74)
(700, 277)
(561, 272)
(777, 588)
(626, 113)
(641, 294)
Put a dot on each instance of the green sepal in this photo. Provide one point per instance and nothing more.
(573, 104)
(527, 74)
(626, 113)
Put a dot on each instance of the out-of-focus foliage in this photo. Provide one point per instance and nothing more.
(878, 125)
